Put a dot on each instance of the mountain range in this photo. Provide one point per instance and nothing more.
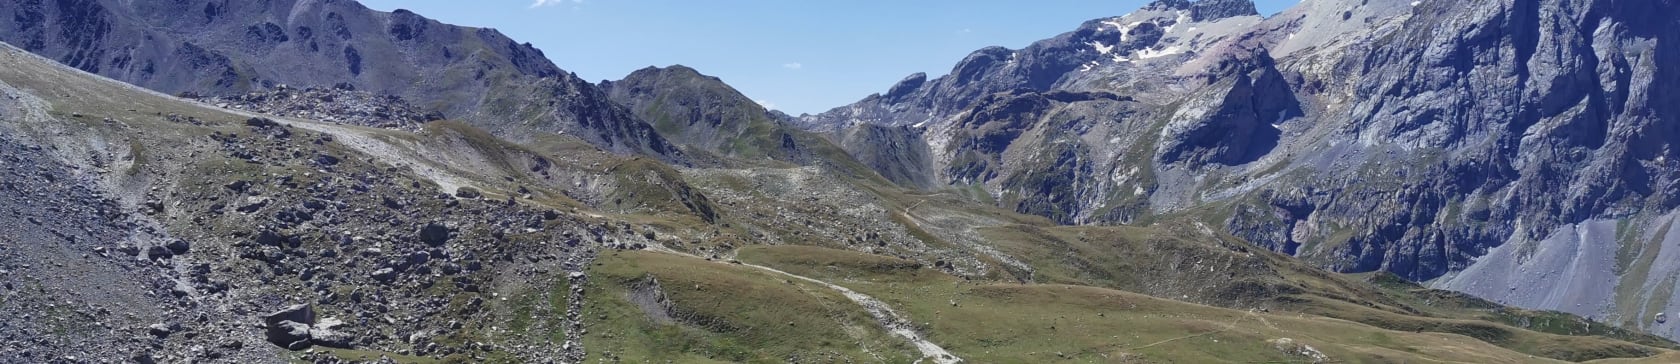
(1346, 180)
(1519, 151)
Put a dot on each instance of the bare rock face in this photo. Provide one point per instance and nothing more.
(1231, 121)
(1409, 137)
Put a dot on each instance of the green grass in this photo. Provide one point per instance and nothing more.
(987, 322)
(724, 313)
(1639, 255)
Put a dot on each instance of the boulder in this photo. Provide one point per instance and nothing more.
(160, 330)
(261, 122)
(384, 274)
(435, 233)
(289, 327)
(178, 246)
(158, 252)
(300, 313)
(252, 204)
(290, 335)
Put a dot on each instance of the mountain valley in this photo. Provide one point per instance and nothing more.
(1345, 181)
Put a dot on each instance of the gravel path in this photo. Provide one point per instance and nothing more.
(883, 314)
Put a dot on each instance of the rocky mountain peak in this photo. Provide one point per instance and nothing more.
(1206, 10)
(977, 63)
(907, 85)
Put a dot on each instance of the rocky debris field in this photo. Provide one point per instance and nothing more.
(73, 284)
(354, 254)
(342, 104)
(254, 238)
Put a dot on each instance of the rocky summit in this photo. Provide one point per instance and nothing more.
(1343, 181)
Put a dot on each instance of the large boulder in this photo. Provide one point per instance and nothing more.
(300, 313)
(289, 327)
(435, 233)
(290, 335)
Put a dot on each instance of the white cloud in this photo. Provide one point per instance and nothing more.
(793, 65)
(542, 3)
(766, 104)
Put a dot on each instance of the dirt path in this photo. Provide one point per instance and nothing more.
(883, 314)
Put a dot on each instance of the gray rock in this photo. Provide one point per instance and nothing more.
(384, 275)
(178, 246)
(160, 330)
(435, 233)
(331, 338)
(300, 313)
(158, 252)
(290, 335)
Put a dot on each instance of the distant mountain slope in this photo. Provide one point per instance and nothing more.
(219, 47)
(700, 111)
(1494, 143)
(707, 115)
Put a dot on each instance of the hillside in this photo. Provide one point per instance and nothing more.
(1515, 150)
(225, 48)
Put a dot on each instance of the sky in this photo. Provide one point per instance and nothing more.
(802, 56)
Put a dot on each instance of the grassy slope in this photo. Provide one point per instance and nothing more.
(725, 313)
(1001, 322)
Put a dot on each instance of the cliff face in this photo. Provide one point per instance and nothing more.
(233, 47)
(1416, 138)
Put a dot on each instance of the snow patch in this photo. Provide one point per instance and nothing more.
(1122, 28)
(1183, 17)
(1101, 48)
(1150, 53)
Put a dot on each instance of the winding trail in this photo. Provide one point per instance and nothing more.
(883, 314)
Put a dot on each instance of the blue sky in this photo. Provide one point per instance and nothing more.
(801, 56)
